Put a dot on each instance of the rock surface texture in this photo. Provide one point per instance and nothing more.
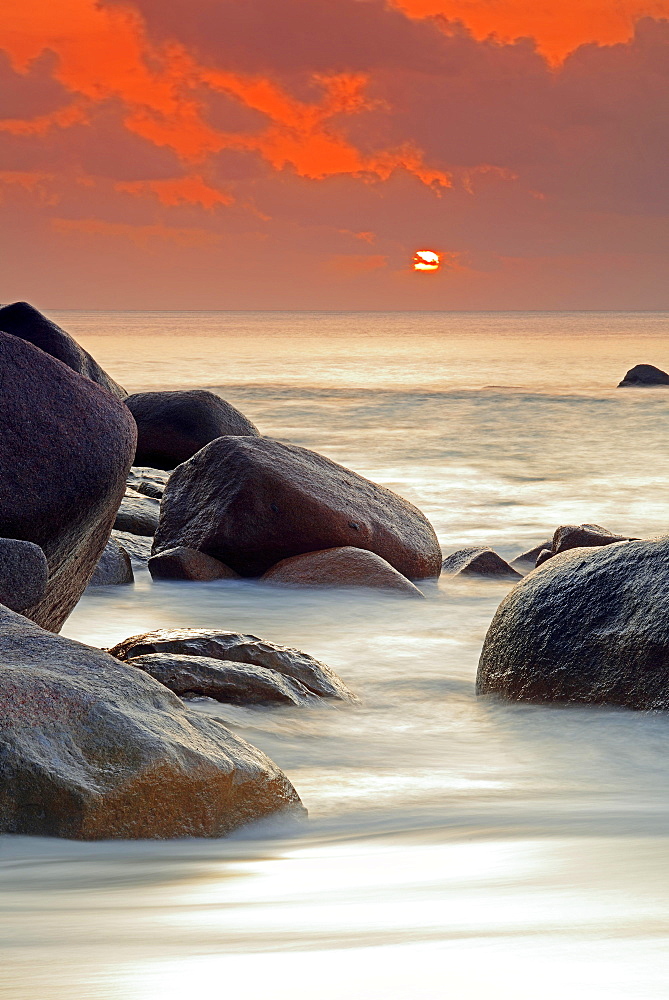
(219, 645)
(137, 514)
(91, 748)
(24, 321)
(342, 567)
(591, 625)
(172, 426)
(478, 561)
(251, 502)
(24, 574)
(65, 450)
(114, 567)
(644, 375)
(188, 564)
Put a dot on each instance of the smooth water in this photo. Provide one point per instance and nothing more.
(456, 847)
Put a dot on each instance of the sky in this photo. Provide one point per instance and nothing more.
(295, 154)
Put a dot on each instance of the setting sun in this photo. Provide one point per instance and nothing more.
(426, 260)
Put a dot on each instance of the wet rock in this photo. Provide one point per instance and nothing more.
(65, 450)
(526, 561)
(172, 426)
(24, 574)
(644, 375)
(219, 645)
(138, 514)
(150, 482)
(138, 547)
(341, 567)
(182, 563)
(544, 556)
(91, 748)
(24, 321)
(114, 567)
(477, 560)
(223, 680)
(252, 502)
(592, 625)
(575, 536)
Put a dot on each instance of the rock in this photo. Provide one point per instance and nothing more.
(91, 748)
(576, 536)
(65, 450)
(644, 375)
(544, 556)
(526, 561)
(188, 564)
(223, 680)
(138, 547)
(219, 645)
(345, 566)
(592, 625)
(477, 560)
(138, 514)
(252, 502)
(150, 482)
(24, 321)
(172, 426)
(113, 568)
(24, 574)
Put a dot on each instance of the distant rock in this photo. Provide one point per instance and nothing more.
(24, 321)
(478, 560)
(574, 536)
(173, 426)
(314, 675)
(345, 566)
(24, 574)
(138, 547)
(644, 375)
(183, 563)
(150, 482)
(114, 567)
(94, 749)
(251, 502)
(223, 680)
(137, 514)
(591, 626)
(526, 561)
(65, 450)
(544, 556)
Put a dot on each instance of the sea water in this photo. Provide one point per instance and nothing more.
(455, 847)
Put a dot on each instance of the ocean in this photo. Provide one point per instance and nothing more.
(455, 847)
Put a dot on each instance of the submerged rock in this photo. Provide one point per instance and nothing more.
(341, 567)
(478, 560)
(65, 450)
(91, 748)
(172, 426)
(24, 574)
(183, 563)
(24, 321)
(592, 625)
(251, 502)
(137, 514)
(223, 680)
(219, 645)
(644, 375)
(114, 567)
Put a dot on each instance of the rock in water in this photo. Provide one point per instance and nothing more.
(91, 748)
(172, 426)
(219, 645)
(65, 450)
(150, 482)
(114, 567)
(644, 375)
(592, 625)
(188, 564)
(138, 547)
(526, 561)
(251, 502)
(223, 680)
(577, 536)
(478, 561)
(342, 567)
(24, 574)
(138, 514)
(24, 321)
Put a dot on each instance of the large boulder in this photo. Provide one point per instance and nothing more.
(24, 574)
(24, 321)
(314, 675)
(91, 748)
(643, 376)
(188, 564)
(172, 426)
(591, 625)
(342, 567)
(137, 514)
(114, 567)
(478, 560)
(65, 450)
(252, 502)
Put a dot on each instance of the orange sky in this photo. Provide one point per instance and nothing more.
(295, 153)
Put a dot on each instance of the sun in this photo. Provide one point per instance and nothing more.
(426, 260)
